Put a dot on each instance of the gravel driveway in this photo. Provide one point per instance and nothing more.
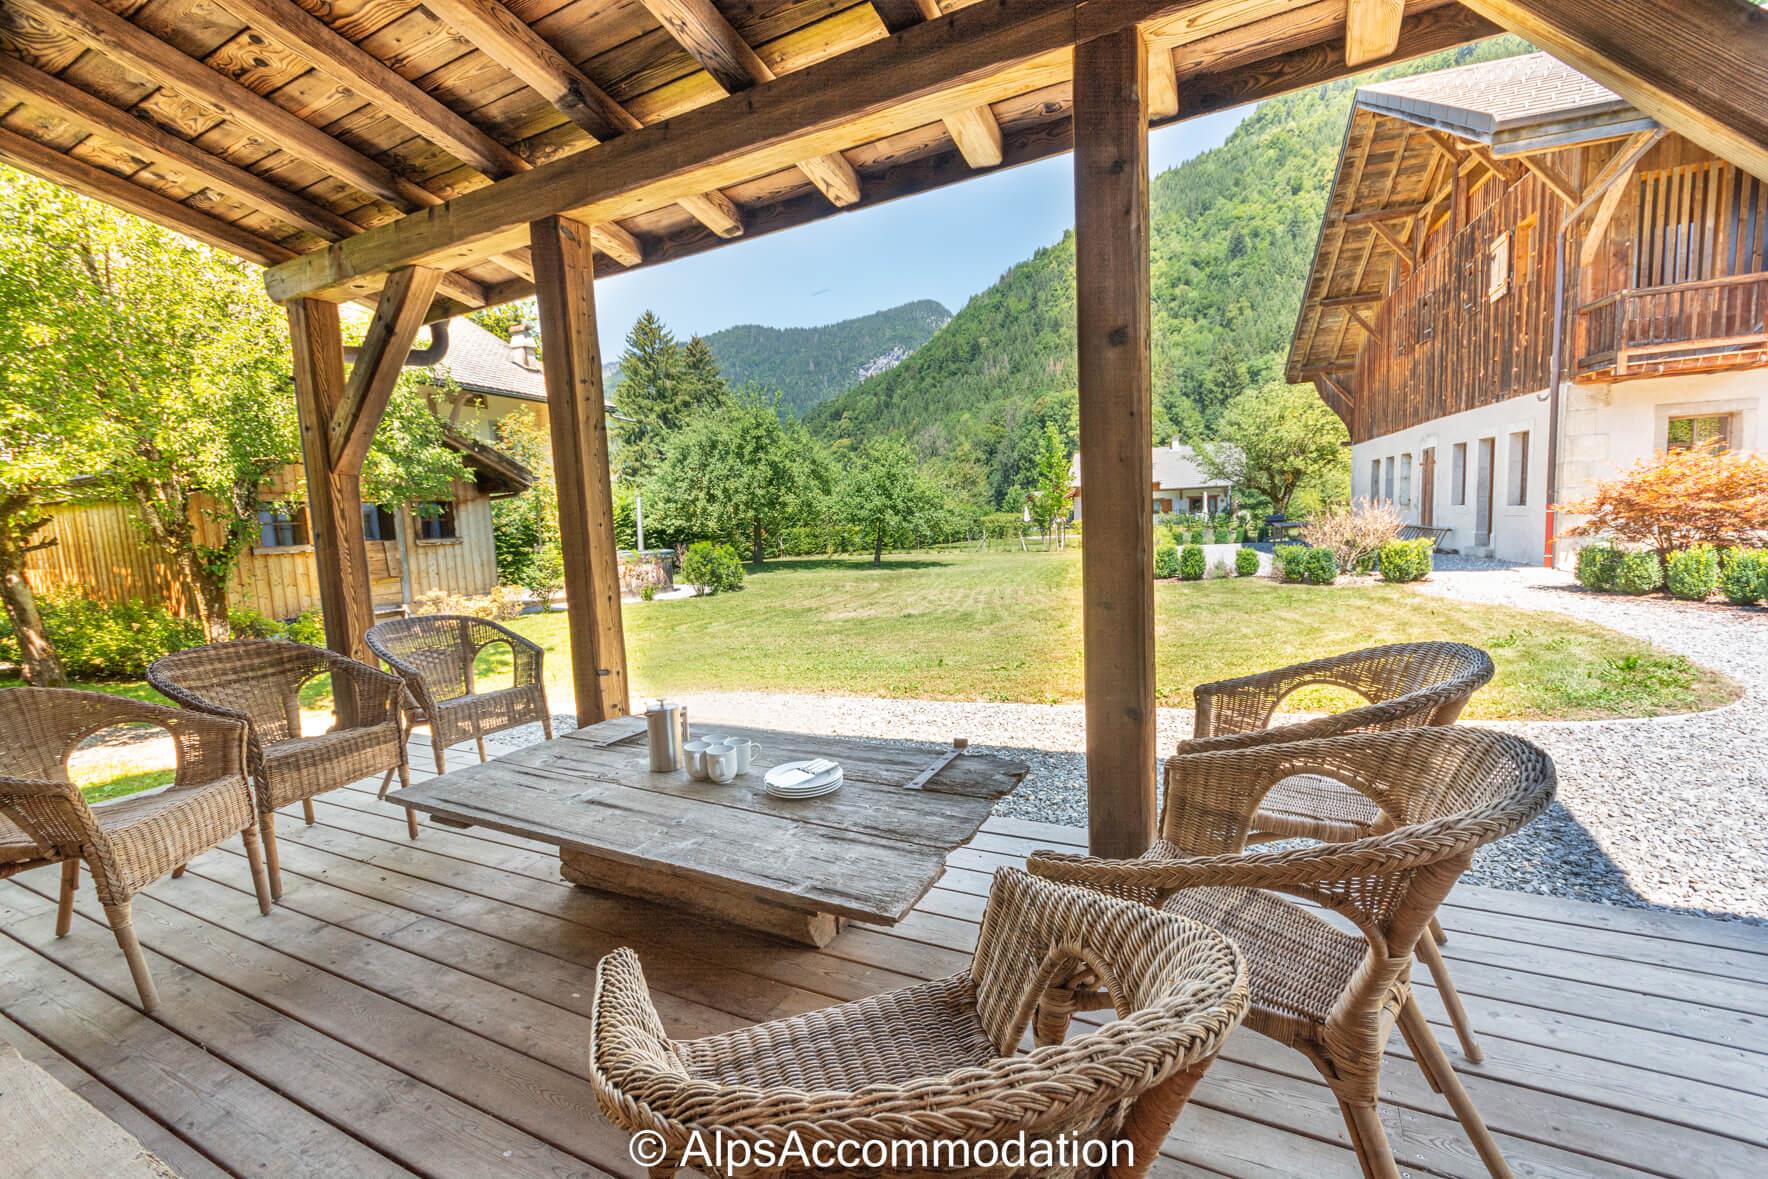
(1668, 812)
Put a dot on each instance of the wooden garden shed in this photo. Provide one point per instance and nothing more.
(461, 153)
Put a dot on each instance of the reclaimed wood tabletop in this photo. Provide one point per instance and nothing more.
(797, 868)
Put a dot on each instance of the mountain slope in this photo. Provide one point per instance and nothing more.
(809, 365)
(1233, 233)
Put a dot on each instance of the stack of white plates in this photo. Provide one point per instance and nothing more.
(793, 779)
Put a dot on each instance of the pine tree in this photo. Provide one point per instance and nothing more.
(650, 374)
(702, 384)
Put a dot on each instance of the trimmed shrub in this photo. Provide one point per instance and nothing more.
(1637, 573)
(1196, 535)
(1191, 563)
(1309, 565)
(1246, 562)
(1692, 574)
(1406, 560)
(1596, 567)
(1745, 579)
(1224, 534)
(1166, 560)
(711, 568)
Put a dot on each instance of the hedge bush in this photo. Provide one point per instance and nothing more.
(112, 642)
(1166, 560)
(1191, 566)
(1196, 536)
(1596, 566)
(1637, 573)
(1310, 565)
(1224, 535)
(1406, 560)
(711, 568)
(1246, 562)
(1745, 579)
(247, 623)
(1693, 573)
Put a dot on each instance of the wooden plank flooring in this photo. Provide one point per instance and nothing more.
(422, 1008)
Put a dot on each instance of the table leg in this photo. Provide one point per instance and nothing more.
(803, 926)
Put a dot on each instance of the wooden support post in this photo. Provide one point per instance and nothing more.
(334, 494)
(564, 285)
(1116, 433)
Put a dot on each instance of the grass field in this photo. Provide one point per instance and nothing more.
(1006, 626)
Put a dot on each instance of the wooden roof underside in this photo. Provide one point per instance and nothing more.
(271, 128)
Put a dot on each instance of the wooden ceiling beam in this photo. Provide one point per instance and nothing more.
(1646, 53)
(1349, 300)
(93, 115)
(502, 36)
(1510, 171)
(710, 39)
(1392, 213)
(1371, 29)
(986, 52)
(1553, 178)
(338, 57)
(616, 243)
(142, 53)
(976, 132)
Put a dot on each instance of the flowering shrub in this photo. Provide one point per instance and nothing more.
(1701, 495)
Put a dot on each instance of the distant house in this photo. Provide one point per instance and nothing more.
(1428, 321)
(1180, 484)
(102, 554)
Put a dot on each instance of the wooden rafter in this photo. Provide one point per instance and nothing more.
(1549, 173)
(1383, 213)
(1402, 250)
(976, 131)
(1510, 171)
(160, 63)
(709, 39)
(1371, 29)
(1163, 84)
(338, 57)
(988, 52)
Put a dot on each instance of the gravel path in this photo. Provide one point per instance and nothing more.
(1667, 813)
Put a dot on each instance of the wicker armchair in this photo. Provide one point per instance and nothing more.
(1407, 684)
(434, 654)
(1333, 995)
(259, 681)
(130, 843)
(939, 1060)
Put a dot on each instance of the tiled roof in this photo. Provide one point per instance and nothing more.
(480, 363)
(1484, 100)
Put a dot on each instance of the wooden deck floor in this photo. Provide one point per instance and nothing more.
(423, 1008)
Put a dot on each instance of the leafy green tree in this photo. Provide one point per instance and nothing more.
(885, 496)
(173, 367)
(503, 319)
(1048, 497)
(1273, 439)
(736, 474)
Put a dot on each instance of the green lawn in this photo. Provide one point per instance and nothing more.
(1006, 626)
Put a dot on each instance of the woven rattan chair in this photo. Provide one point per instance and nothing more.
(434, 654)
(130, 843)
(1332, 994)
(259, 681)
(1407, 685)
(939, 1060)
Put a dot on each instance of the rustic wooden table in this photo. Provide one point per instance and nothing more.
(797, 869)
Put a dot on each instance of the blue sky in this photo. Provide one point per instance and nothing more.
(945, 245)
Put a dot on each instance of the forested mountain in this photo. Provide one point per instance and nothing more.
(810, 365)
(1233, 233)
(807, 366)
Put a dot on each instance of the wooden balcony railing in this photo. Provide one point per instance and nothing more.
(1687, 326)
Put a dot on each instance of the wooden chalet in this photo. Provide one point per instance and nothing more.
(420, 1007)
(1523, 285)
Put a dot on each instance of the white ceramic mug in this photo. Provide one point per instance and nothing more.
(695, 753)
(721, 764)
(745, 750)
